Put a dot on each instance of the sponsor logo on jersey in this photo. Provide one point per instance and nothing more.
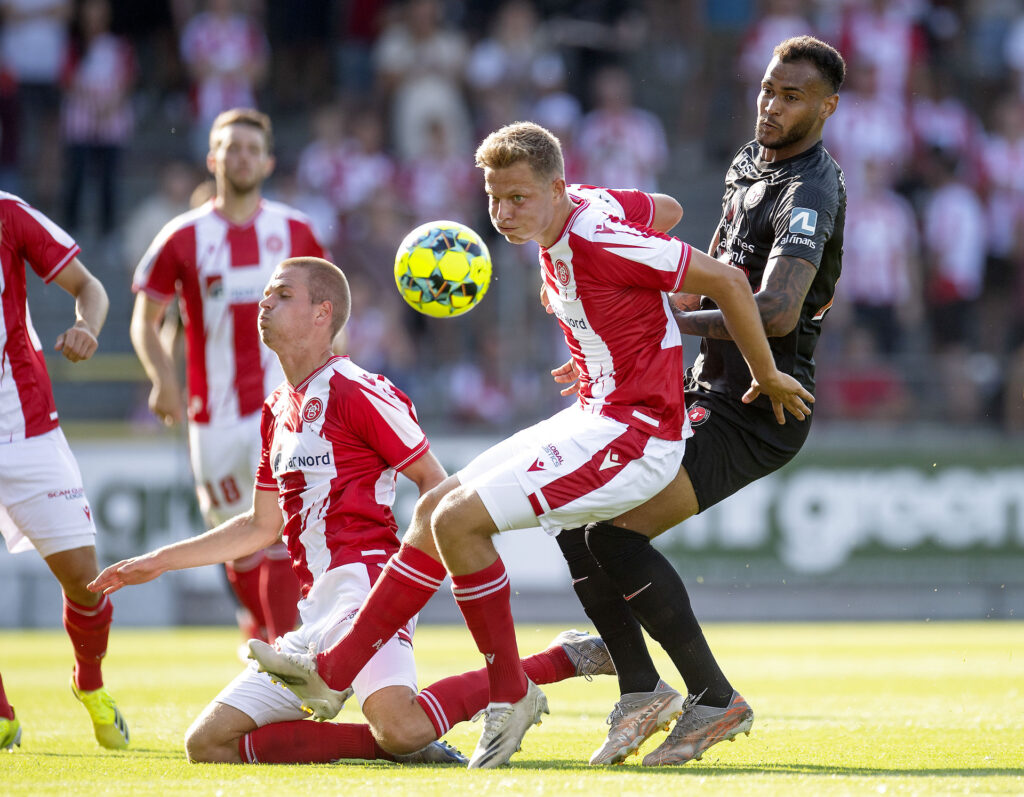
(797, 240)
(70, 494)
(572, 323)
(307, 460)
(754, 194)
(698, 414)
(803, 221)
(562, 272)
(214, 286)
(611, 460)
(277, 463)
(312, 410)
(552, 456)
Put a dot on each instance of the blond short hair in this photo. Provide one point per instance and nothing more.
(522, 141)
(326, 283)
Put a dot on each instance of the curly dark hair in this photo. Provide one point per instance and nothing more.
(823, 55)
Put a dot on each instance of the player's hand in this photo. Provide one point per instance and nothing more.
(569, 375)
(165, 404)
(545, 300)
(137, 570)
(77, 343)
(786, 394)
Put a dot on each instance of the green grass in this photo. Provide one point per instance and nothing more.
(928, 708)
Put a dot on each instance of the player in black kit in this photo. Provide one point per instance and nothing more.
(782, 223)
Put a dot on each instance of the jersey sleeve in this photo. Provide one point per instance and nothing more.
(384, 418)
(632, 255)
(264, 471)
(637, 206)
(45, 246)
(161, 266)
(804, 219)
(304, 241)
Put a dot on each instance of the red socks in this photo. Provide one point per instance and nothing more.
(244, 578)
(6, 709)
(89, 628)
(409, 580)
(459, 697)
(483, 598)
(278, 592)
(308, 742)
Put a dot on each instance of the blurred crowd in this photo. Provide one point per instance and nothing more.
(378, 104)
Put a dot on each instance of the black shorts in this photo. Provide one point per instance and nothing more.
(734, 444)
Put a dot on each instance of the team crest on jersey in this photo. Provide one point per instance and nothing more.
(312, 410)
(274, 243)
(754, 194)
(562, 272)
(803, 221)
(698, 414)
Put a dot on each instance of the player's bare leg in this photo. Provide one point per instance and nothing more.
(213, 735)
(87, 617)
(674, 504)
(463, 529)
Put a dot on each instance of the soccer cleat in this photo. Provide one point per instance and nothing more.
(699, 728)
(10, 734)
(297, 673)
(634, 720)
(434, 753)
(107, 722)
(588, 653)
(505, 725)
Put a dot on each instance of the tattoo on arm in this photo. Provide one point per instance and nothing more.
(783, 288)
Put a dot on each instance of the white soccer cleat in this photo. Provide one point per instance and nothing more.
(505, 725)
(635, 718)
(297, 673)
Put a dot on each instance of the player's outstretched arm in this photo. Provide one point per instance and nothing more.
(165, 398)
(240, 536)
(728, 288)
(81, 340)
(667, 212)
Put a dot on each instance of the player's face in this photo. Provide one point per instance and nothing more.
(523, 205)
(286, 311)
(239, 158)
(792, 107)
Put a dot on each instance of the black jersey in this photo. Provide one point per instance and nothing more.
(794, 207)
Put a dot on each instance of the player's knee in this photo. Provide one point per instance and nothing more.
(399, 738)
(202, 746)
(445, 520)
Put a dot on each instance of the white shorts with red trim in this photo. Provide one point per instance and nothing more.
(574, 468)
(42, 501)
(327, 614)
(224, 459)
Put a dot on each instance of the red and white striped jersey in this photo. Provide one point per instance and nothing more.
(607, 281)
(332, 449)
(27, 407)
(219, 270)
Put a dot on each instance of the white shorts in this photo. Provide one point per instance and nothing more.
(224, 459)
(574, 468)
(326, 613)
(42, 501)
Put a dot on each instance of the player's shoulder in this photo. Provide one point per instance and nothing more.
(275, 207)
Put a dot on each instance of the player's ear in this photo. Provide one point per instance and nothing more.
(828, 106)
(558, 188)
(269, 168)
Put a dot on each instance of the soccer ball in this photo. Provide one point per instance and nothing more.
(442, 269)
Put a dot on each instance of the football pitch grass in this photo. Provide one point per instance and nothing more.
(924, 708)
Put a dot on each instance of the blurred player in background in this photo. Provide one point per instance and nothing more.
(782, 226)
(334, 437)
(620, 444)
(42, 502)
(216, 259)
